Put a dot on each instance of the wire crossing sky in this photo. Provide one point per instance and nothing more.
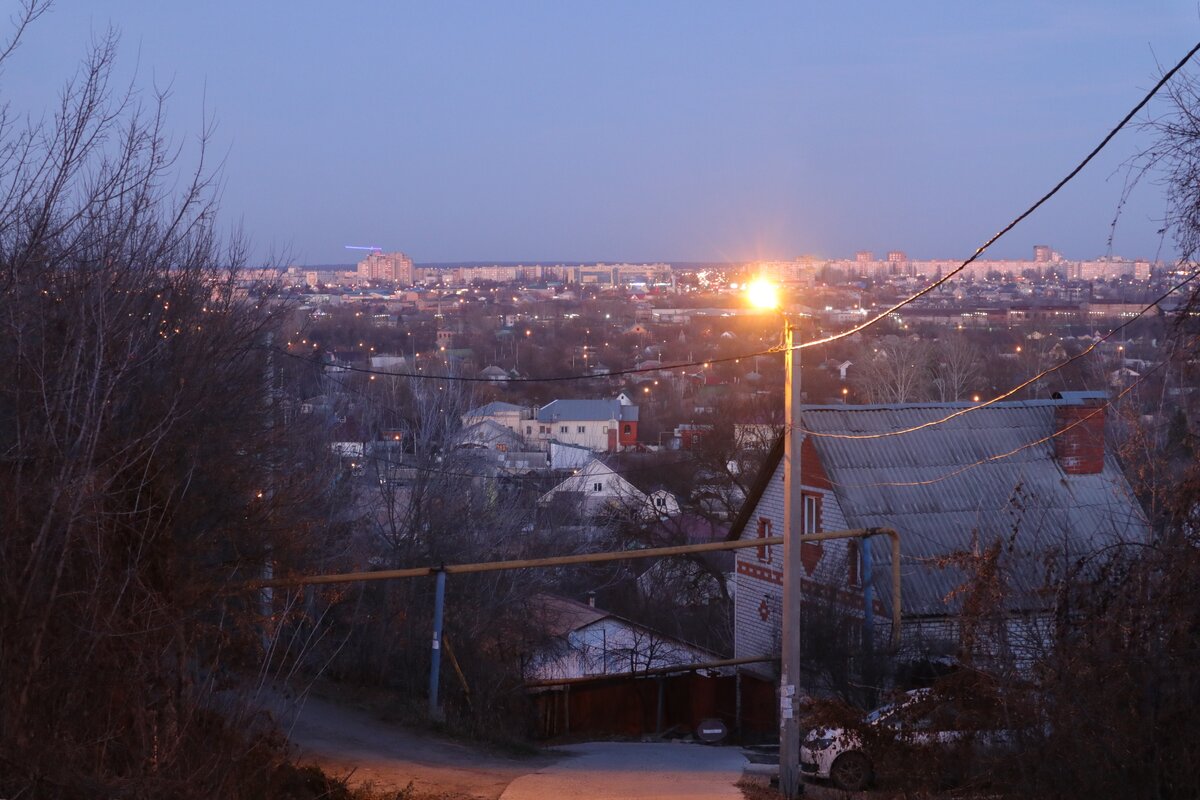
(643, 131)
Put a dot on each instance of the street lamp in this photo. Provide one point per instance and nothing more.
(763, 294)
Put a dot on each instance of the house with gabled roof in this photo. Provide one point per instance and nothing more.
(587, 641)
(509, 415)
(1034, 476)
(596, 487)
(603, 426)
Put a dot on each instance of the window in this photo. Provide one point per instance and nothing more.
(812, 513)
(564, 428)
(541, 428)
(597, 486)
(661, 502)
(764, 532)
(528, 430)
(628, 429)
(581, 429)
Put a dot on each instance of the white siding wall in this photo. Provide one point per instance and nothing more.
(594, 436)
(759, 592)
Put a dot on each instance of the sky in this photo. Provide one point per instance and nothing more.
(645, 131)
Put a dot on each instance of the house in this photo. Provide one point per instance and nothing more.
(603, 426)
(507, 415)
(596, 487)
(489, 435)
(1032, 475)
(493, 374)
(587, 641)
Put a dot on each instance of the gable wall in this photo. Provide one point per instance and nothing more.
(758, 598)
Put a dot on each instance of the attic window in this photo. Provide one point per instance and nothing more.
(596, 487)
(661, 502)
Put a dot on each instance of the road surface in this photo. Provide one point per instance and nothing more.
(347, 741)
(633, 771)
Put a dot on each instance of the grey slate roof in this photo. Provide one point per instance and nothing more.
(597, 410)
(917, 484)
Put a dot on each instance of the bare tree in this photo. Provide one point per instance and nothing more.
(957, 368)
(893, 370)
(143, 469)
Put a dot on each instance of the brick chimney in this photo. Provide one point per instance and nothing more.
(1080, 449)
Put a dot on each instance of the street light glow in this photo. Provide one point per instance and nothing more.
(762, 294)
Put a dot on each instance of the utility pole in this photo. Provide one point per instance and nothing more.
(789, 726)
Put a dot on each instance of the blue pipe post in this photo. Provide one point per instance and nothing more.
(868, 598)
(435, 663)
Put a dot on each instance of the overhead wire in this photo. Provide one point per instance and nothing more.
(827, 339)
(1018, 219)
(875, 320)
(1018, 387)
(1008, 454)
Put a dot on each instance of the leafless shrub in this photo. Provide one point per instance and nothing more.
(143, 469)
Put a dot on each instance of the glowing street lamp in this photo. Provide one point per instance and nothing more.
(764, 295)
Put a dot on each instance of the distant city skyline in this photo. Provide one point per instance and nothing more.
(671, 131)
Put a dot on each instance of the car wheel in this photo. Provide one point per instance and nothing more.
(851, 772)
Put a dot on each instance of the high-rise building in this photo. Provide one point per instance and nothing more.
(897, 256)
(1042, 253)
(863, 256)
(389, 267)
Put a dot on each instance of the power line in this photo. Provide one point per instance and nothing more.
(1021, 217)
(1000, 456)
(1010, 392)
(551, 379)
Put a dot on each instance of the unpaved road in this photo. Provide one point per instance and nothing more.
(346, 740)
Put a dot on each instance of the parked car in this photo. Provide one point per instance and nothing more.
(921, 727)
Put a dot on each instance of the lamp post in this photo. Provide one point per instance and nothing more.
(763, 295)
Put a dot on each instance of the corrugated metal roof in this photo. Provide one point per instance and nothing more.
(917, 484)
(597, 410)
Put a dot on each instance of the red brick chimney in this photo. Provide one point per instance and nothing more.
(1079, 449)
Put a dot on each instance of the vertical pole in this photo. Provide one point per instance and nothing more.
(658, 721)
(868, 598)
(868, 668)
(435, 662)
(789, 735)
(737, 703)
(266, 609)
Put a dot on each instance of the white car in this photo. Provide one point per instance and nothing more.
(917, 719)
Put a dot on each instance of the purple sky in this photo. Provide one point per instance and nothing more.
(646, 131)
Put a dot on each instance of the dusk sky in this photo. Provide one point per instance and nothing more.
(646, 131)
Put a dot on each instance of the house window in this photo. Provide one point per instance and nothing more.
(564, 428)
(596, 487)
(541, 428)
(528, 430)
(581, 429)
(854, 562)
(812, 513)
(628, 429)
(764, 532)
(661, 502)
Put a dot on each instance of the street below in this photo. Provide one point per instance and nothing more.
(634, 771)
